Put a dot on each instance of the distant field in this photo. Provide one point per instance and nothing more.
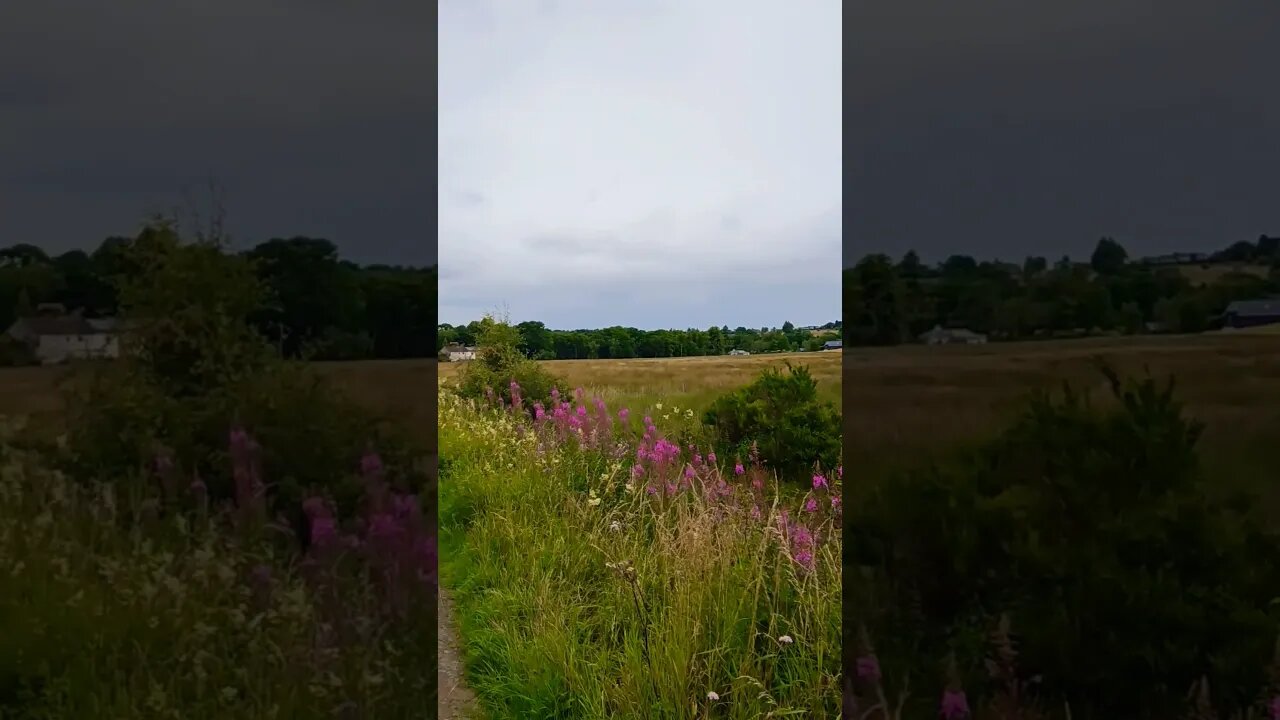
(406, 389)
(692, 380)
(904, 404)
(1204, 275)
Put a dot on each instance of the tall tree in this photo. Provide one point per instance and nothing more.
(1109, 257)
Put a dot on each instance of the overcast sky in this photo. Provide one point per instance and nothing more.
(1007, 127)
(314, 115)
(653, 163)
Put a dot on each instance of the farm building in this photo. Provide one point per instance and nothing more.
(1175, 259)
(454, 352)
(55, 336)
(833, 345)
(1251, 313)
(952, 336)
(739, 352)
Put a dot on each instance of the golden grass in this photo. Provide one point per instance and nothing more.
(692, 380)
(1202, 275)
(903, 403)
(402, 390)
(405, 390)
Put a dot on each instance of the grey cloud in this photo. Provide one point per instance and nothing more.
(635, 172)
(1006, 128)
(311, 113)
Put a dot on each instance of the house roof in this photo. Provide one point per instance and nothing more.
(951, 332)
(58, 325)
(1254, 308)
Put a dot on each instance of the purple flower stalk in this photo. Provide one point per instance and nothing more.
(868, 668)
(955, 706)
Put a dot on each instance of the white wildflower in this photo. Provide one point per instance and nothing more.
(713, 696)
(786, 640)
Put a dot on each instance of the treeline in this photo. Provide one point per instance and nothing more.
(888, 302)
(539, 342)
(320, 306)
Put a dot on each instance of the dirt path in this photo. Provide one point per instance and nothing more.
(457, 702)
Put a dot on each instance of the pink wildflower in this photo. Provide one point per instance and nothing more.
(955, 706)
(323, 531)
(869, 668)
(819, 482)
(810, 505)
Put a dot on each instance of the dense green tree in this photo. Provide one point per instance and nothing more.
(311, 294)
(1108, 257)
(1008, 301)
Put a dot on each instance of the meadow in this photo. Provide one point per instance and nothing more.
(914, 417)
(910, 402)
(149, 593)
(604, 565)
(690, 381)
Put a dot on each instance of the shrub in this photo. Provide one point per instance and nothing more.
(1091, 526)
(194, 367)
(499, 362)
(782, 414)
(108, 609)
(14, 353)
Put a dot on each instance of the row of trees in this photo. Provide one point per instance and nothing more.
(539, 342)
(888, 302)
(319, 305)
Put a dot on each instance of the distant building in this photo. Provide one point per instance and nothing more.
(833, 345)
(55, 336)
(739, 352)
(1251, 313)
(1175, 259)
(952, 336)
(454, 352)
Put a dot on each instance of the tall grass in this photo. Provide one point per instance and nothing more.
(602, 570)
(133, 598)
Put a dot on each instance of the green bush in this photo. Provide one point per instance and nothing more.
(14, 353)
(194, 367)
(1091, 526)
(781, 413)
(499, 362)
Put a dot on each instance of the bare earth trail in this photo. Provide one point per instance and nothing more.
(457, 702)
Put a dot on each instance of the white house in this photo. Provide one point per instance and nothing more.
(739, 352)
(55, 337)
(957, 336)
(454, 352)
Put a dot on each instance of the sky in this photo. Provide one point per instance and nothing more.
(312, 116)
(1007, 128)
(646, 163)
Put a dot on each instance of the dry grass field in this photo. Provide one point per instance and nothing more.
(905, 404)
(1208, 274)
(402, 390)
(406, 390)
(693, 380)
